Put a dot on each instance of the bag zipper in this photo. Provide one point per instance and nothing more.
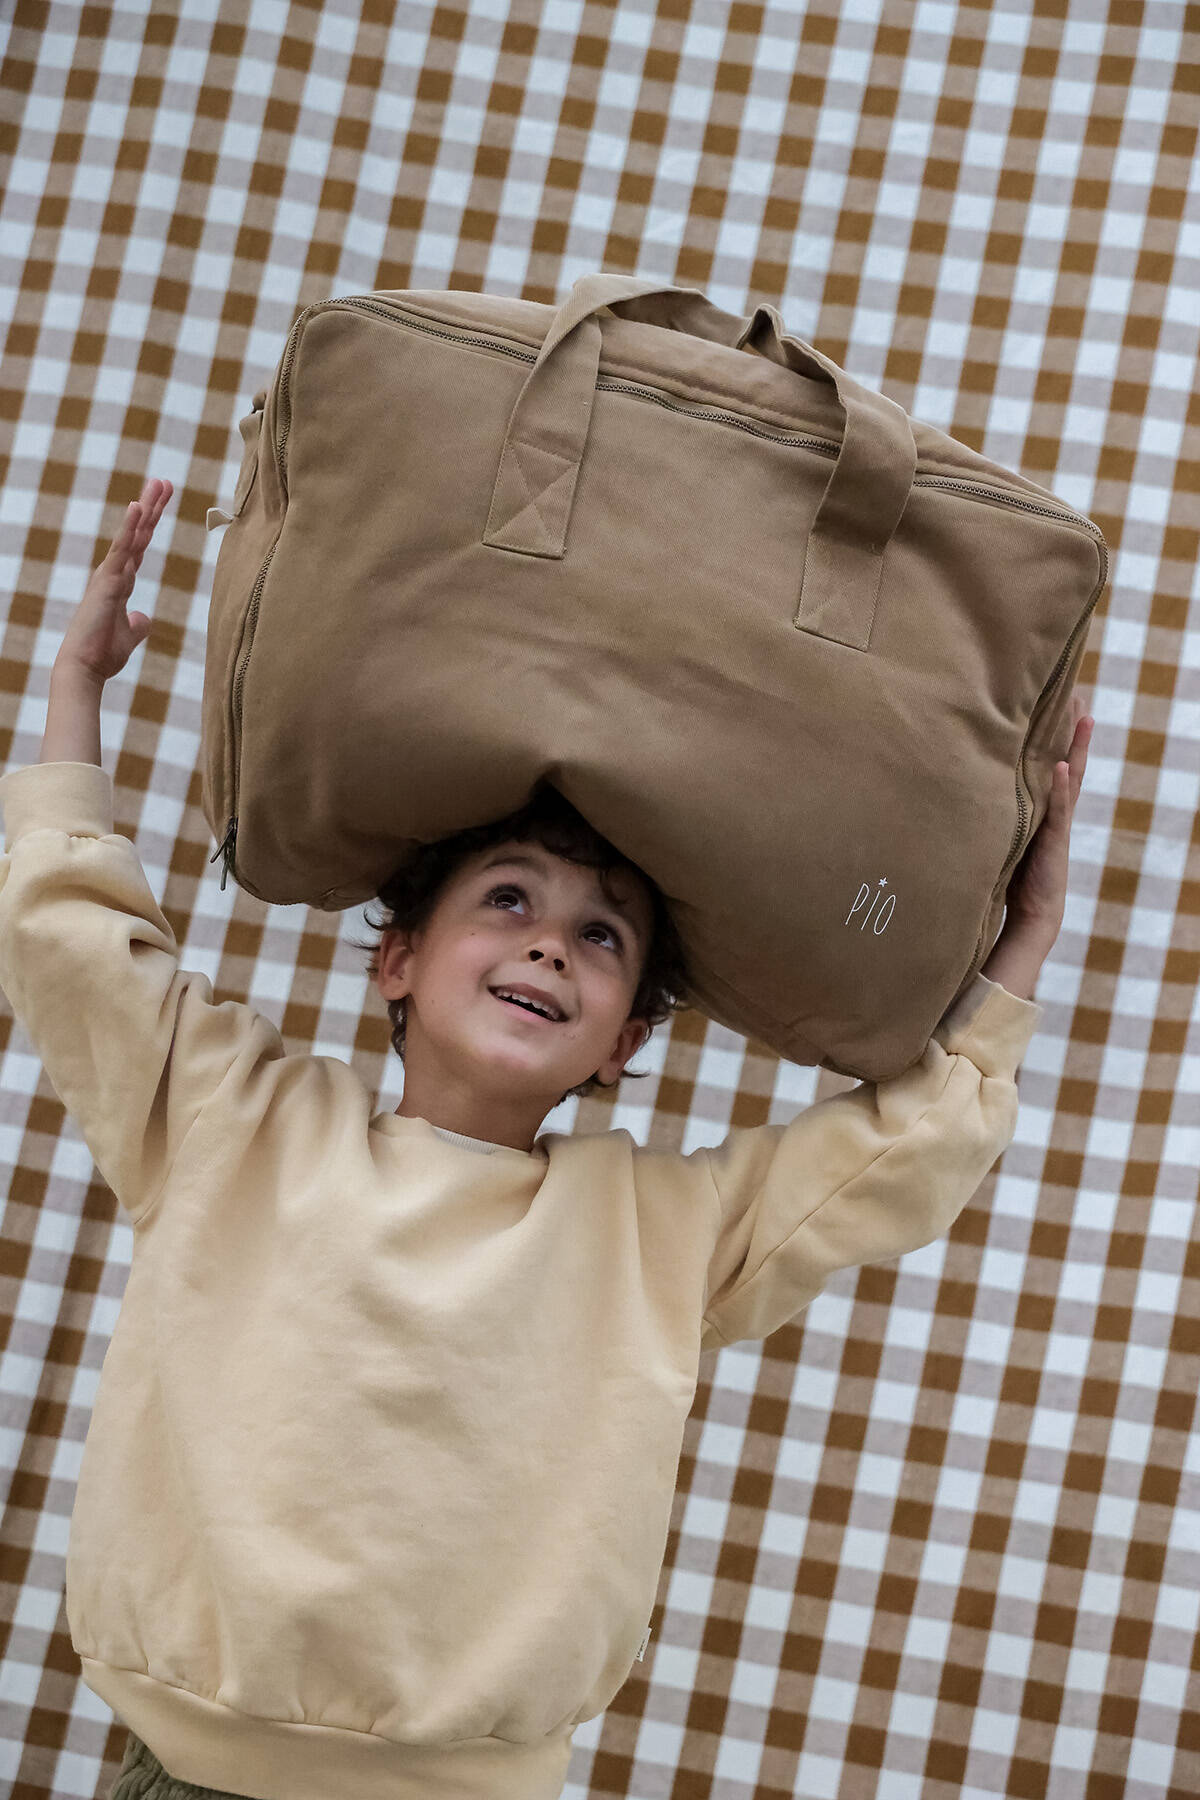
(822, 446)
(227, 848)
(644, 391)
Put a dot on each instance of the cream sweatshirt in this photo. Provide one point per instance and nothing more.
(377, 1485)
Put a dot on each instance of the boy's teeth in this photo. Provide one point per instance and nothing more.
(528, 1005)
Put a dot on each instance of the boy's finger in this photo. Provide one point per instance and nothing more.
(119, 546)
(1058, 808)
(1072, 781)
(152, 513)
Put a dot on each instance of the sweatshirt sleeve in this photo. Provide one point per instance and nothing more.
(865, 1175)
(132, 1045)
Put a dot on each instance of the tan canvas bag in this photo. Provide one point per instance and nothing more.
(805, 660)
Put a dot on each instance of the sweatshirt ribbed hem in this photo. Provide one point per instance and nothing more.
(211, 1745)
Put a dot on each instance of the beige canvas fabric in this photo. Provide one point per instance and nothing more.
(803, 658)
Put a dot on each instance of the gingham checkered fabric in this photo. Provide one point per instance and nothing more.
(940, 1537)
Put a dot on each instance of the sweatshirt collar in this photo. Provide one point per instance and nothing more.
(469, 1143)
(395, 1124)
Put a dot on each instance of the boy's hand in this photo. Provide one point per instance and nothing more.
(100, 638)
(1037, 893)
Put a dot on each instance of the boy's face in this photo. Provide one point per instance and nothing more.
(480, 1065)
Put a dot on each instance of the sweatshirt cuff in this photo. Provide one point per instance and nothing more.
(990, 1025)
(75, 797)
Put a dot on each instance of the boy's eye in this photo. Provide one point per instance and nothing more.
(509, 888)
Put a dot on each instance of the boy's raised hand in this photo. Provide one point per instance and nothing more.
(101, 638)
(1037, 893)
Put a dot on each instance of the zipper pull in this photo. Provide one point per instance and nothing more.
(226, 847)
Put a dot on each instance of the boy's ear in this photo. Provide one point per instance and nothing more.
(391, 959)
(634, 1033)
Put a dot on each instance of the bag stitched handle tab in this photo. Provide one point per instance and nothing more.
(863, 501)
(864, 498)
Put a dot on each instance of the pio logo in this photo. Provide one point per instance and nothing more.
(874, 909)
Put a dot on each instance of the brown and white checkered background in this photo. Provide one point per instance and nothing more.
(940, 1536)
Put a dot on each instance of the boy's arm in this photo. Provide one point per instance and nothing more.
(867, 1175)
(1016, 962)
(863, 1176)
(72, 731)
(134, 1046)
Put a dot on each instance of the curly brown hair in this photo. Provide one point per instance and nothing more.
(411, 892)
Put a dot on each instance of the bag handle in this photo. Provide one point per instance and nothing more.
(543, 448)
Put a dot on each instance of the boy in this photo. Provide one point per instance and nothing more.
(378, 1481)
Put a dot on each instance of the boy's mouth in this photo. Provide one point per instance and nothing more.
(525, 1007)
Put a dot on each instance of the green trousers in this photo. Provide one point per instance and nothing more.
(143, 1777)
